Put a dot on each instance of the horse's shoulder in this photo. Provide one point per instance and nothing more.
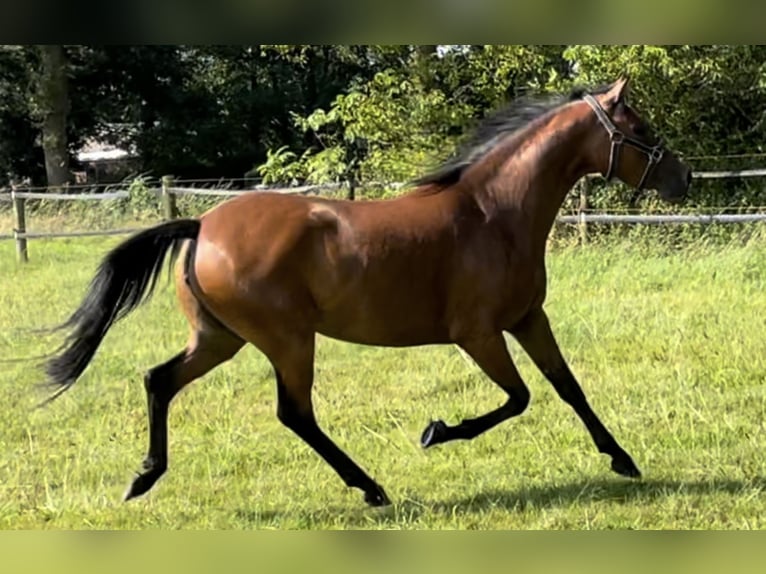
(323, 215)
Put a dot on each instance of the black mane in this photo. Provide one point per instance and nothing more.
(496, 126)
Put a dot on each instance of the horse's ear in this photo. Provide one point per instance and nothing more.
(618, 92)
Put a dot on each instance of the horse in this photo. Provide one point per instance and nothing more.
(459, 259)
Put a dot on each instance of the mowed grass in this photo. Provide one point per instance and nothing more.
(668, 345)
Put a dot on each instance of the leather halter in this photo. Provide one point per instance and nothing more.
(617, 138)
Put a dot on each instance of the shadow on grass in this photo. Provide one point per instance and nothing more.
(584, 491)
(408, 510)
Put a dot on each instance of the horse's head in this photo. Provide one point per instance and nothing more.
(628, 149)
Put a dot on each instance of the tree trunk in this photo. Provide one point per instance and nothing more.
(53, 94)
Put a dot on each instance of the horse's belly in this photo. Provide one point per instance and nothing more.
(388, 327)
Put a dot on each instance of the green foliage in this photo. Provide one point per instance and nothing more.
(280, 167)
(706, 99)
(143, 201)
(327, 165)
(20, 150)
(381, 113)
(405, 119)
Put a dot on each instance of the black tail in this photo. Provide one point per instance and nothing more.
(125, 278)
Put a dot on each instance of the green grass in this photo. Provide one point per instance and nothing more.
(668, 345)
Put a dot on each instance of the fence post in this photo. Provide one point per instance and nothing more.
(582, 208)
(21, 225)
(169, 210)
(351, 186)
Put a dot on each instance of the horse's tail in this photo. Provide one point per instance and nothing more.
(125, 278)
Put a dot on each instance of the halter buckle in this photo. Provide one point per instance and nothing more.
(617, 137)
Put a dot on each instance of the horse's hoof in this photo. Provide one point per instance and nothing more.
(136, 488)
(435, 432)
(142, 484)
(624, 466)
(377, 497)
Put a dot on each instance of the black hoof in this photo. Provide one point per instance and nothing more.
(376, 497)
(624, 466)
(435, 432)
(141, 484)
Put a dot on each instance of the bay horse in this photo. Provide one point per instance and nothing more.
(458, 259)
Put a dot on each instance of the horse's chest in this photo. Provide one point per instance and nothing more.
(487, 302)
(522, 288)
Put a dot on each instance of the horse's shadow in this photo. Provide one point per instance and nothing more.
(585, 491)
(411, 508)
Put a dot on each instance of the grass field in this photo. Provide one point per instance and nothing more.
(668, 345)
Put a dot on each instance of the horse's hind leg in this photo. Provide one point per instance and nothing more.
(535, 336)
(205, 350)
(293, 362)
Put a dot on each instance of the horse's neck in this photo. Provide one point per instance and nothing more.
(530, 186)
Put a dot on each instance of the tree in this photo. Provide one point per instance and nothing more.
(705, 100)
(319, 112)
(52, 107)
(20, 155)
(413, 110)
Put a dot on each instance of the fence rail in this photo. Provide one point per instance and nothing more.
(168, 192)
(585, 217)
(68, 196)
(92, 233)
(729, 174)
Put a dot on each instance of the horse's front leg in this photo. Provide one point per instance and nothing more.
(535, 336)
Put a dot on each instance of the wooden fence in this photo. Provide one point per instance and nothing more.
(169, 191)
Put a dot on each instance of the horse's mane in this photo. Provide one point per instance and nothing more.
(498, 125)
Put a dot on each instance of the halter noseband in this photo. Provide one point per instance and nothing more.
(617, 138)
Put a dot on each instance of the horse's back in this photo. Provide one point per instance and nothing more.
(368, 271)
